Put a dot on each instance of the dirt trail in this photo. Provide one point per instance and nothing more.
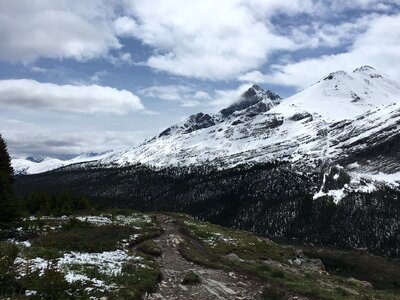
(216, 284)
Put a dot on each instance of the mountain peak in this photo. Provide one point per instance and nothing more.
(341, 95)
(255, 97)
(193, 123)
(365, 68)
(252, 90)
(252, 102)
(255, 90)
(335, 75)
(36, 159)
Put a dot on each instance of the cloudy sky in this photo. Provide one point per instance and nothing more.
(79, 76)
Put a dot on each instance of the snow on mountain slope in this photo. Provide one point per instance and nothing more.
(32, 165)
(346, 120)
(203, 138)
(263, 127)
(341, 95)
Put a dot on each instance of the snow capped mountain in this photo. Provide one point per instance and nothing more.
(341, 95)
(346, 123)
(35, 165)
(32, 165)
(262, 127)
(202, 138)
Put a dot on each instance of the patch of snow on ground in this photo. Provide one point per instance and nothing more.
(74, 264)
(217, 238)
(109, 262)
(34, 264)
(97, 220)
(72, 276)
(133, 219)
(30, 293)
(19, 243)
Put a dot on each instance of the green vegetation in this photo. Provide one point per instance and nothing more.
(41, 202)
(111, 254)
(86, 238)
(273, 264)
(138, 281)
(8, 200)
(80, 257)
(49, 285)
(381, 272)
(222, 241)
(8, 268)
(191, 278)
(149, 247)
(273, 293)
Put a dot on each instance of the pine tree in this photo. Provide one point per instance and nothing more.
(8, 203)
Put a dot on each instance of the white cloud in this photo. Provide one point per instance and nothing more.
(189, 96)
(254, 77)
(56, 143)
(31, 94)
(125, 26)
(221, 39)
(208, 39)
(166, 92)
(203, 39)
(98, 77)
(186, 95)
(371, 5)
(55, 29)
(378, 46)
(122, 59)
(319, 34)
(223, 98)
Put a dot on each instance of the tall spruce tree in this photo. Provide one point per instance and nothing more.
(8, 205)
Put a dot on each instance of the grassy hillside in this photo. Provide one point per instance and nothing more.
(122, 254)
(79, 256)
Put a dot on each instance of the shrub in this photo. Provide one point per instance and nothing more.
(191, 278)
(278, 273)
(273, 293)
(149, 247)
(50, 285)
(86, 238)
(8, 282)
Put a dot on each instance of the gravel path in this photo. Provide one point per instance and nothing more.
(216, 284)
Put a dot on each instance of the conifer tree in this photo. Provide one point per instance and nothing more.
(8, 205)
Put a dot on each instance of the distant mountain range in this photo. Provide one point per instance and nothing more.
(40, 164)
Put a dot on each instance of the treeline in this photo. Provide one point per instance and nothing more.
(65, 203)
